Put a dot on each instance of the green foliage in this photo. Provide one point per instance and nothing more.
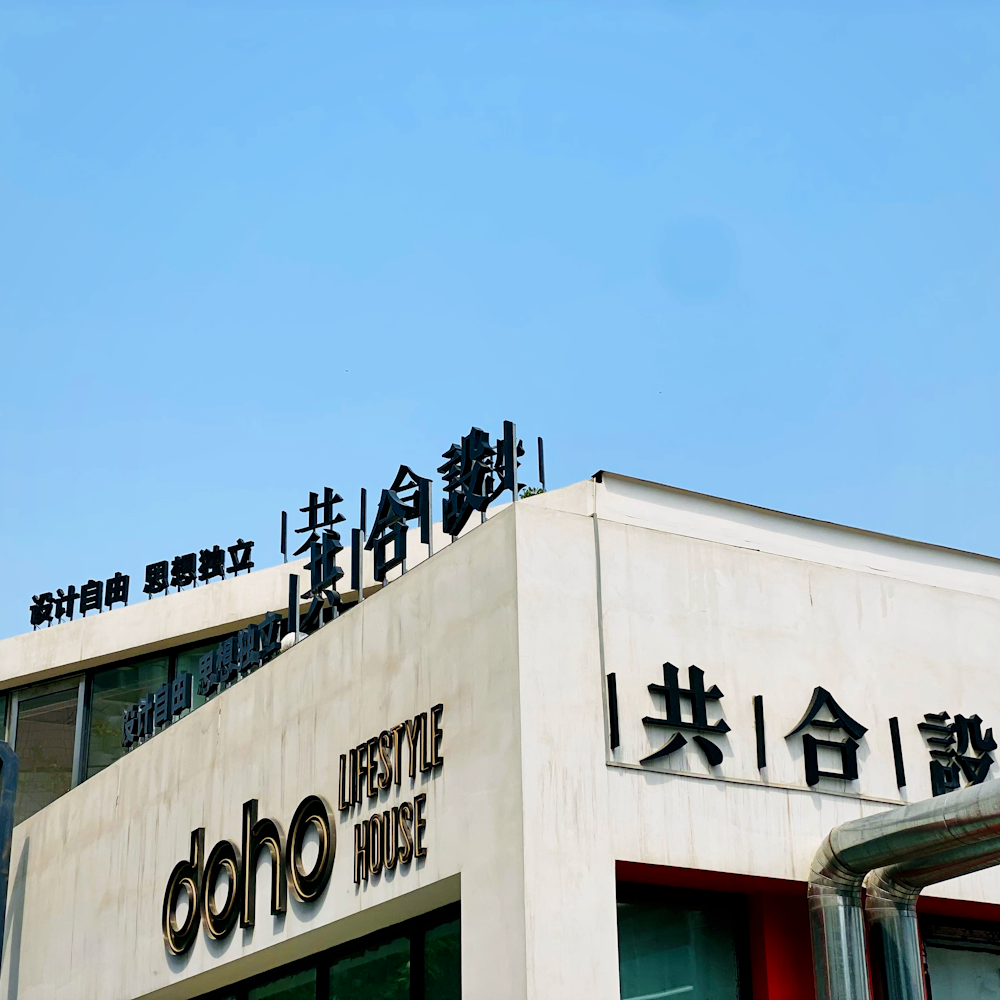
(530, 492)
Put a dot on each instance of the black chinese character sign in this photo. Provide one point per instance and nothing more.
(698, 699)
(476, 473)
(155, 710)
(950, 744)
(94, 595)
(840, 721)
(408, 499)
(234, 657)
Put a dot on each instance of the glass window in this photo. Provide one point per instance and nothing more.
(297, 986)
(114, 690)
(187, 663)
(963, 957)
(378, 972)
(683, 945)
(44, 739)
(443, 961)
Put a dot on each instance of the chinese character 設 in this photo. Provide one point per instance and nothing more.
(476, 473)
(949, 745)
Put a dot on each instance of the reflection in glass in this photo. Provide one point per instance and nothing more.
(443, 961)
(958, 974)
(379, 972)
(297, 986)
(187, 663)
(115, 690)
(667, 949)
(46, 727)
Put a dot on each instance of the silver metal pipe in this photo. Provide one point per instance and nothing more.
(850, 851)
(891, 909)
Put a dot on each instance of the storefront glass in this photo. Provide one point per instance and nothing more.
(443, 961)
(682, 944)
(378, 972)
(44, 743)
(297, 986)
(114, 690)
(187, 663)
(963, 958)
(383, 966)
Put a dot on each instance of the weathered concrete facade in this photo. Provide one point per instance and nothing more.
(513, 629)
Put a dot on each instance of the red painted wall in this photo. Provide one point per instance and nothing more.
(780, 947)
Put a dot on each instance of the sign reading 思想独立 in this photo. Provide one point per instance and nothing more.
(391, 838)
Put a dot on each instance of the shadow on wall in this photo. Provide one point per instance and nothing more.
(15, 920)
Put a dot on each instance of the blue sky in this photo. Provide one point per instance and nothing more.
(250, 250)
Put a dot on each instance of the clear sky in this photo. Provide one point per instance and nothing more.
(250, 250)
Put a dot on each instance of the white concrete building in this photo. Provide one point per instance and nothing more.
(497, 712)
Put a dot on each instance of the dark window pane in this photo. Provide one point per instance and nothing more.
(443, 962)
(688, 951)
(46, 727)
(187, 663)
(116, 689)
(379, 972)
(297, 986)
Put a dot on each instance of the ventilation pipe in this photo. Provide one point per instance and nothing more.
(924, 832)
(891, 908)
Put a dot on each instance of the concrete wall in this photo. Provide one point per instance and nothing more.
(514, 629)
(89, 871)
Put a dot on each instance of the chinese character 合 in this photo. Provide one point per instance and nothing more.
(240, 554)
(182, 570)
(949, 744)
(848, 748)
(157, 579)
(211, 563)
(41, 609)
(698, 698)
(476, 473)
(394, 510)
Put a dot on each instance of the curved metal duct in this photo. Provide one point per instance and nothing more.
(851, 850)
(891, 908)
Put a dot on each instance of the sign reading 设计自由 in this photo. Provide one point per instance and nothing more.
(387, 839)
